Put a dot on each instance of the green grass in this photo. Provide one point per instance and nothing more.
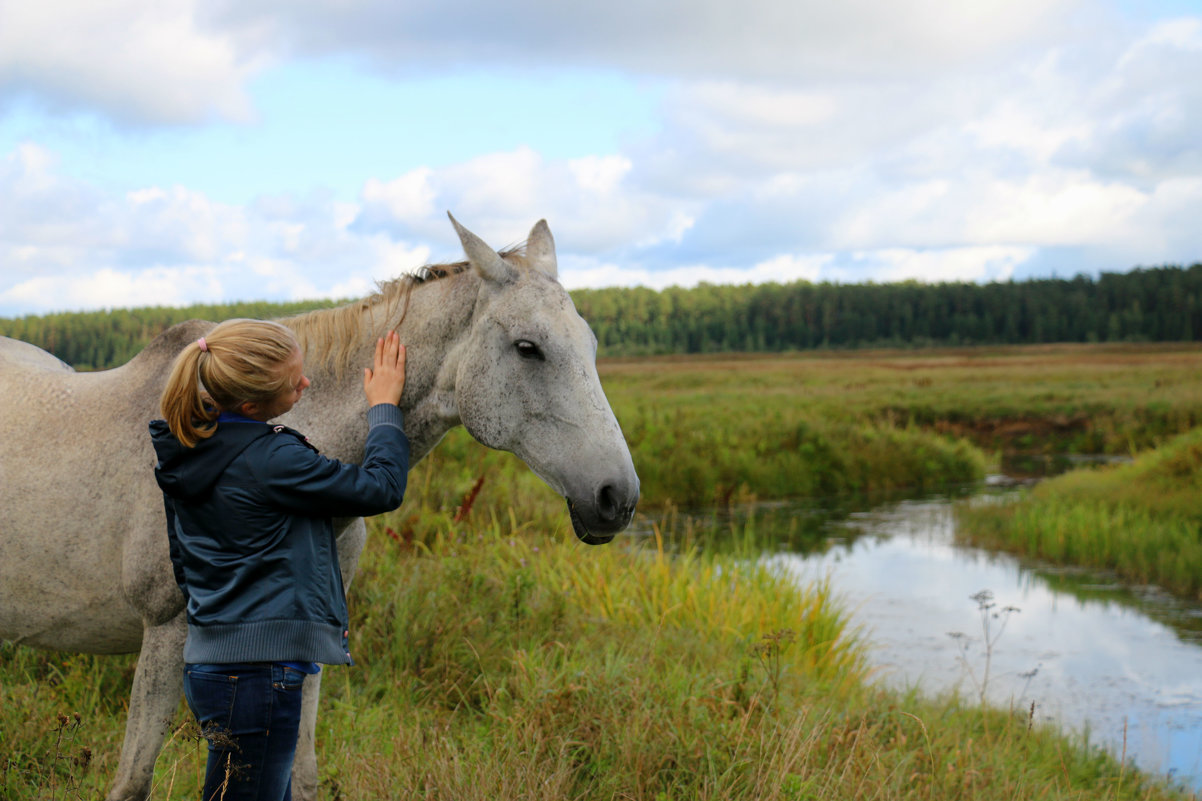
(1142, 521)
(500, 659)
(1114, 399)
(776, 455)
(710, 430)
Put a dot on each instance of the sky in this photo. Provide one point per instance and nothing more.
(170, 152)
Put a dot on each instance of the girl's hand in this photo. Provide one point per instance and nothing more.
(384, 381)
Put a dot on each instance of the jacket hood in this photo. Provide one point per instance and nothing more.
(190, 473)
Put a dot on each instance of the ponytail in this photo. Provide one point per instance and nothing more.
(238, 361)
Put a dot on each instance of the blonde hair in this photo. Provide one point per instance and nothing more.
(236, 362)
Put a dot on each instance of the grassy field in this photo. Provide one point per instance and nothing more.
(499, 659)
(703, 430)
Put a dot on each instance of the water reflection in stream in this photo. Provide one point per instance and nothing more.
(1092, 656)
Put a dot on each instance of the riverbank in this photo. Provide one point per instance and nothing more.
(1139, 521)
(558, 672)
(1077, 650)
(499, 659)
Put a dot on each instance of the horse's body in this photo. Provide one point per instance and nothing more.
(496, 346)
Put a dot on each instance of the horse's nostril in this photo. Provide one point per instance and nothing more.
(607, 503)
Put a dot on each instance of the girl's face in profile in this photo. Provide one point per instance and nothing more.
(282, 403)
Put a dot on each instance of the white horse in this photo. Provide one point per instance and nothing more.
(494, 344)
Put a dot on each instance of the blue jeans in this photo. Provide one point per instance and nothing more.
(250, 715)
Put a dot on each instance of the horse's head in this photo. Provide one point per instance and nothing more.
(527, 383)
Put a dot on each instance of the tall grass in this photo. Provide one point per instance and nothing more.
(622, 672)
(497, 658)
(1140, 520)
(694, 458)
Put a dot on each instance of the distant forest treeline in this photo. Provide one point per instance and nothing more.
(103, 339)
(1160, 304)
(1152, 304)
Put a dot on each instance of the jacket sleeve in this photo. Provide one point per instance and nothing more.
(297, 478)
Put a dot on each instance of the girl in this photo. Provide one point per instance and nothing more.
(249, 510)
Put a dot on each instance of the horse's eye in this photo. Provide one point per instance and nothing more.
(528, 350)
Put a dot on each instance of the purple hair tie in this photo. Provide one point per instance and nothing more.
(204, 346)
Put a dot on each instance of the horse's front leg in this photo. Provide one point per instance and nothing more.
(158, 685)
(351, 539)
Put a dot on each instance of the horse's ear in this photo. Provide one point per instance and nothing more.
(484, 259)
(540, 249)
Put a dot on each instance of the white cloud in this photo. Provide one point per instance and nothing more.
(588, 202)
(907, 214)
(587, 273)
(988, 263)
(180, 222)
(1184, 33)
(1055, 208)
(599, 174)
(852, 141)
(65, 244)
(111, 288)
(1165, 228)
(1015, 124)
(883, 265)
(694, 38)
(184, 61)
(786, 268)
(135, 60)
(405, 197)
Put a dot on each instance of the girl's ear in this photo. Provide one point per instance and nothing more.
(248, 409)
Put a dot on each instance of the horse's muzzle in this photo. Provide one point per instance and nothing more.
(597, 523)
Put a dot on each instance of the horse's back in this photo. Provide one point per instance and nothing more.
(88, 427)
(32, 379)
(16, 355)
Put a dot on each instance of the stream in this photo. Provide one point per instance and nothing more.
(1122, 665)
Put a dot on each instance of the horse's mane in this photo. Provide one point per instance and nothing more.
(329, 335)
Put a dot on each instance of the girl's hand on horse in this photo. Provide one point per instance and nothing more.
(384, 381)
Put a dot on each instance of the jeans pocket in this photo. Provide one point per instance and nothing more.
(287, 678)
(211, 697)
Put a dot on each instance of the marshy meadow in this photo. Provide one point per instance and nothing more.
(498, 658)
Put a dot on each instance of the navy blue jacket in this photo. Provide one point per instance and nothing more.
(252, 542)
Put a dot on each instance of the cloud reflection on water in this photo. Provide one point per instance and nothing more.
(1101, 665)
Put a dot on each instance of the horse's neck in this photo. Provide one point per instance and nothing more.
(432, 329)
